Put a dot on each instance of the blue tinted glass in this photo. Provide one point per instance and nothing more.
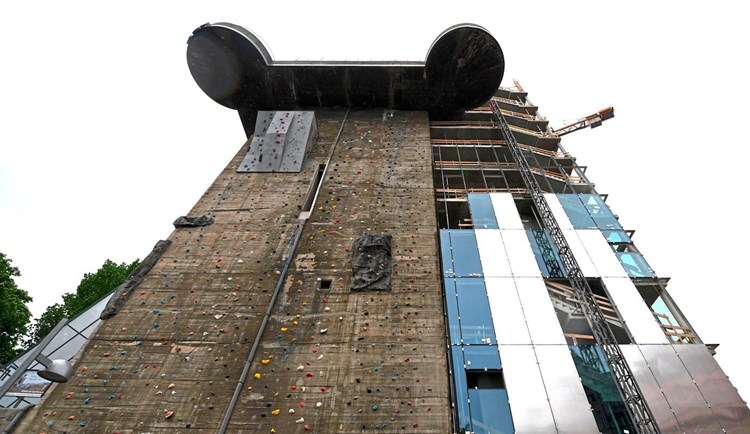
(465, 253)
(474, 308)
(635, 264)
(490, 413)
(600, 212)
(482, 357)
(462, 397)
(576, 212)
(452, 306)
(482, 213)
(445, 253)
(617, 236)
(545, 253)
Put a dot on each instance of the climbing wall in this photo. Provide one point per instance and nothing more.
(330, 360)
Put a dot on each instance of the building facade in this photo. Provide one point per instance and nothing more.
(374, 259)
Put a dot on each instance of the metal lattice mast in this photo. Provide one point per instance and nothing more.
(629, 391)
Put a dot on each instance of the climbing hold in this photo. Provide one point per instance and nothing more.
(322, 388)
(276, 412)
(294, 387)
(284, 329)
(318, 404)
(171, 386)
(168, 414)
(300, 420)
(323, 331)
(301, 404)
(84, 369)
(265, 361)
(306, 427)
(257, 376)
(375, 407)
(291, 411)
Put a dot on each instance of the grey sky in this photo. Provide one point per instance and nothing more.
(106, 139)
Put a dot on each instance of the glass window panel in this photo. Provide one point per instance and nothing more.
(466, 261)
(617, 237)
(70, 348)
(482, 214)
(452, 306)
(482, 357)
(577, 213)
(490, 413)
(445, 253)
(600, 212)
(557, 211)
(474, 309)
(545, 254)
(635, 264)
(462, 396)
(506, 211)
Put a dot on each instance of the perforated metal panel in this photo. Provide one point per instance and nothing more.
(521, 257)
(601, 254)
(507, 315)
(528, 399)
(725, 402)
(637, 316)
(506, 211)
(567, 398)
(492, 253)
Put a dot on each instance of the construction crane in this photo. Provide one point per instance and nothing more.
(593, 121)
(631, 394)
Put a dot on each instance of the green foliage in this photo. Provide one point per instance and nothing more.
(14, 314)
(93, 287)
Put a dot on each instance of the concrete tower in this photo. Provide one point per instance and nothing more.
(398, 247)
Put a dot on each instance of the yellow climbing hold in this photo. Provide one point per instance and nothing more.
(295, 322)
(275, 412)
(257, 376)
(265, 361)
(273, 430)
(284, 329)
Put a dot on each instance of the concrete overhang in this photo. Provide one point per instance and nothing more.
(463, 69)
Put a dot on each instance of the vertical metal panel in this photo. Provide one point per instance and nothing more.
(637, 316)
(580, 253)
(492, 253)
(506, 211)
(570, 406)
(528, 399)
(688, 404)
(544, 327)
(651, 391)
(557, 211)
(507, 315)
(601, 254)
(725, 402)
(521, 257)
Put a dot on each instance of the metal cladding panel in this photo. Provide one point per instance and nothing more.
(638, 318)
(725, 402)
(492, 253)
(567, 398)
(521, 257)
(688, 404)
(651, 391)
(601, 254)
(507, 314)
(526, 394)
(557, 211)
(506, 211)
(580, 253)
(544, 327)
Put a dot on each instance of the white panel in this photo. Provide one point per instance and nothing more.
(492, 253)
(557, 211)
(528, 400)
(601, 254)
(633, 310)
(567, 398)
(506, 212)
(507, 315)
(521, 257)
(541, 318)
(580, 253)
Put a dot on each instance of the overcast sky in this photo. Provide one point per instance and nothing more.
(106, 138)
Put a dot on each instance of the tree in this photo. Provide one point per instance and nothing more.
(93, 287)
(14, 314)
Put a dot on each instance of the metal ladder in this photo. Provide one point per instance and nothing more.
(629, 391)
